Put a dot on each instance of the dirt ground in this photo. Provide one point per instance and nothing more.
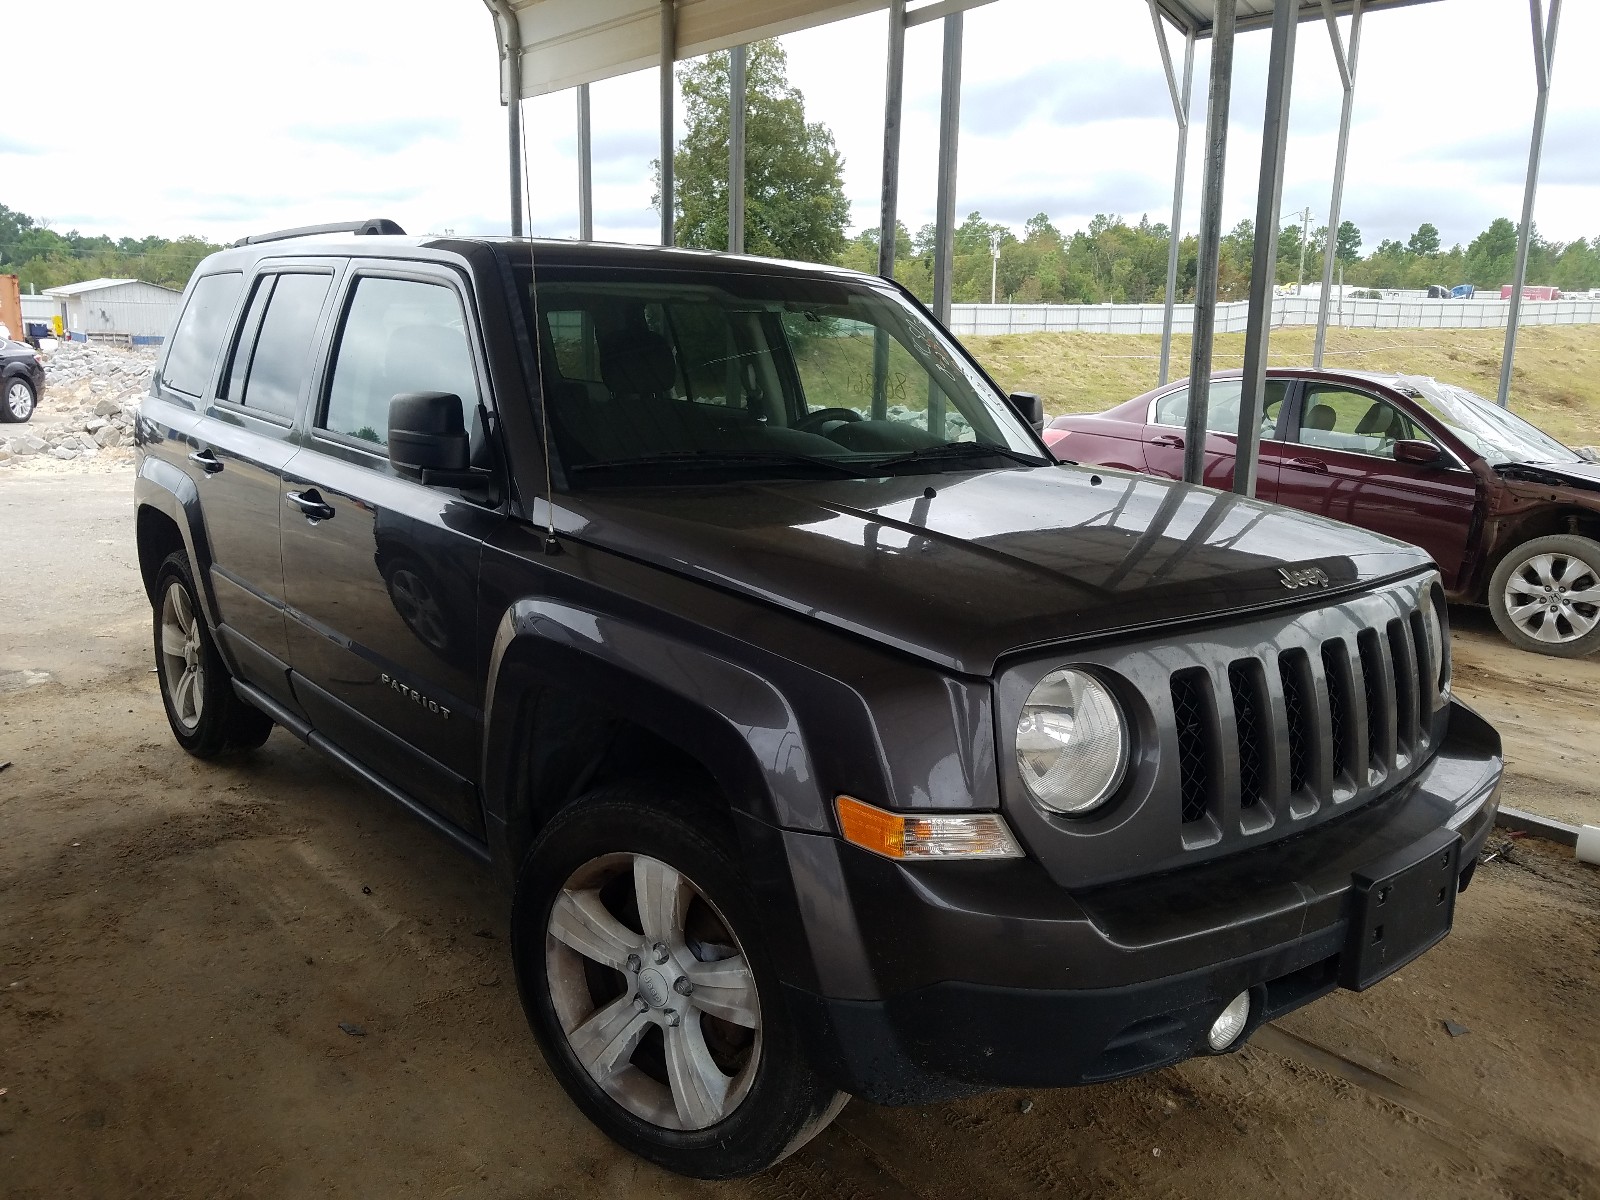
(179, 943)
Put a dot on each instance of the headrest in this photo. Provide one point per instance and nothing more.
(1380, 420)
(636, 363)
(1321, 416)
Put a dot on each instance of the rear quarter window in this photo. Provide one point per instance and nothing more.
(200, 331)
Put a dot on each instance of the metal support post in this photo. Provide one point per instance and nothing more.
(945, 212)
(736, 100)
(669, 50)
(1264, 255)
(508, 37)
(888, 216)
(1544, 58)
(1347, 76)
(1208, 263)
(585, 169)
(1180, 110)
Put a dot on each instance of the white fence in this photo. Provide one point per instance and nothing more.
(1286, 310)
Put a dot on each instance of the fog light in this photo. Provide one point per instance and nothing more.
(1230, 1023)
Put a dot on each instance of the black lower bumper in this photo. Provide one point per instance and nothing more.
(956, 1035)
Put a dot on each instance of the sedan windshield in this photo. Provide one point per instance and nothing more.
(1493, 432)
(683, 376)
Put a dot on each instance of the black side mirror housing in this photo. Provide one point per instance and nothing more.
(1417, 452)
(1030, 408)
(427, 434)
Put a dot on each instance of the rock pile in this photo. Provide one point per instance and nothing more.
(91, 398)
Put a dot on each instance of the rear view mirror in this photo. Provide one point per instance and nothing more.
(1416, 452)
(1030, 408)
(426, 433)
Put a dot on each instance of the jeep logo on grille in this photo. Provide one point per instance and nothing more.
(1299, 577)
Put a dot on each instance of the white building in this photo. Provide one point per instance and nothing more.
(117, 307)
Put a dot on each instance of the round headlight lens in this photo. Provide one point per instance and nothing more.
(1433, 631)
(1072, 742)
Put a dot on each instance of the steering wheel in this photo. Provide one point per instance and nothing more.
(812, 422)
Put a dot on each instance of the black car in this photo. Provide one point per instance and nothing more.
(21, 380)
(829, 738)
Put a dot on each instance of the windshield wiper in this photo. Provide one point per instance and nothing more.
(711, 460)
(952, 451)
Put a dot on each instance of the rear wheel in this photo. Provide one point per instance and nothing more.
(206, 714)
(19, 400)
(647, 982)
(1545, 595)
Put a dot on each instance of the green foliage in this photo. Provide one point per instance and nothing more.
(1425, 240)
(41, 258)
(1349, 249)
(795, 205)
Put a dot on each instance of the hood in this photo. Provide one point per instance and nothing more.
(1579, 474)
(962, 569)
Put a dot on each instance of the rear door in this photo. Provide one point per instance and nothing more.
(241, 444)
(1340, 464)
(381, 571)
(1164, 435)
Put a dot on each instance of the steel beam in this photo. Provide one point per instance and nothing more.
(945, 211)
(1210, 233)
(585, 168)
(1544, 57)
(893, 90)
(736, 101)
(941, 9)
(669, 51)
(1264, 255)
(1180, 110)
(1347, 76)
(510, 43)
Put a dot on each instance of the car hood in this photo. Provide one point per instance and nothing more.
(962, 569)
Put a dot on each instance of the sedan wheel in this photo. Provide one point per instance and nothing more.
(19, 400)
(1545, 595)
(653, 991)
(182, 660)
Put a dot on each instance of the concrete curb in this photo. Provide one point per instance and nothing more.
(1537, 826)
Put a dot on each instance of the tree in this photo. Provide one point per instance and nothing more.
(1349, 249)
(1492, 255)
(1425, 240)
(795, 205)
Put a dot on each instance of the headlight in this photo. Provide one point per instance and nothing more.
(1072, 742)
(1436, 635)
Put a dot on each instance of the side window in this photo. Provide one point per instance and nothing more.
(1222, 409)
(572, 338)
(1339, 419)
(399, 335)
(199, 333)
(267, 377)
(708, 355)
(244, 345)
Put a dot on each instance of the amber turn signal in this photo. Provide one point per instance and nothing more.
(925, 835)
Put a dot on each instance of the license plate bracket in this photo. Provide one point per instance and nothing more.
(1401, 905)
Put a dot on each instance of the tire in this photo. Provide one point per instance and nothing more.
(1545, 596)
(706, 1095)
(207, 716)
(17, 399)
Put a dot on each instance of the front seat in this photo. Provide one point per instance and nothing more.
(1382, 422)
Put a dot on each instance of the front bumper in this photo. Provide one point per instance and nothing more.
(943, 979)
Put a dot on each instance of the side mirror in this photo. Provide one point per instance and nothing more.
(1030, 408)
(1416, 452)
(426, 434)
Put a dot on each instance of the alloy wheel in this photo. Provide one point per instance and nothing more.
(19, 400)
(653, 991)
(1553, 598)
(182, 660)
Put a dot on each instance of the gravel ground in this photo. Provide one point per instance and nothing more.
(180, 941)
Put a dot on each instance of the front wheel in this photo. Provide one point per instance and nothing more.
(19, 400)
(1545, 596)
(647, 983)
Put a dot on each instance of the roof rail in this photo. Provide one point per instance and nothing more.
(373, 225)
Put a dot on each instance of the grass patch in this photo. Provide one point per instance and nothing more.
(1556, 384)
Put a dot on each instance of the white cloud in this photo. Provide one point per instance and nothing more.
(188, 116)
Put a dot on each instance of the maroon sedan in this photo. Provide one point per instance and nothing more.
(1511, 515)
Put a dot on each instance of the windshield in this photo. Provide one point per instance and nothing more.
(686, 376)
(1496, 434)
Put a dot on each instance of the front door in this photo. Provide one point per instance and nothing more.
(1164, 435)
(1340, 463)
(381, 571)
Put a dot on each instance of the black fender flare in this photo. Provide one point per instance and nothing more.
(166, 488)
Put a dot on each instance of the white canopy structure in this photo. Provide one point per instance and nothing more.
(551, 45)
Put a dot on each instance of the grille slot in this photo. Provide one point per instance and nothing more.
(1251, 715)
(1337, 674)
(1299, 714)
(1379, 700)
(1404, 659)
(1192, 711)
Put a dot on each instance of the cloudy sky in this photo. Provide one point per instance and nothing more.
(189, 116)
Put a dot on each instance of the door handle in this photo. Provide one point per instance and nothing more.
(1170, 440)
(1315, 465)
(310, 503)
(206, 461)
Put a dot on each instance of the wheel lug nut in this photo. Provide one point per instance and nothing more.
(639, 1003)
(659, 952)
(672, 1018)
(682, 985)
(634, 963)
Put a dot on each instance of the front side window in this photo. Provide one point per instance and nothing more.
(199, 332)
(1222, 407)
(399, 335)
(688, 376)
(276, 364)
(1335, 418)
